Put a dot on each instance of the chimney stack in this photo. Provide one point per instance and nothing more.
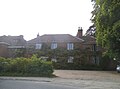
(80, 32)
(38, 35)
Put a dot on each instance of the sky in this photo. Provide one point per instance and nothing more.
(30, 17)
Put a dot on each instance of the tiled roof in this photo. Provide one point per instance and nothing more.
(13, 40)
(89, 39)
(4, 43)
(55, 38)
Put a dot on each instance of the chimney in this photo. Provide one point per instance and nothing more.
(80, 32)
(21, 36)
(38, 35)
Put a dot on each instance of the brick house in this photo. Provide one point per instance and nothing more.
(57, 47)
(94, 51)
(54, 43)
(73, 48)
(14, 45)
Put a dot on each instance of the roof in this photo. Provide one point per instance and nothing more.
(89, 39)
(59, 38)
(13, 40)
(4, 43)
(11, 47)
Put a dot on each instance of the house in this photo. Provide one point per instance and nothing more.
(94, 51)
(60, 48)
(66, 48)
(54, 44)
(54, 41)
(14, 45)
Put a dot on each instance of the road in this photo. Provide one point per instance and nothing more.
(67, 79)
(22, 84)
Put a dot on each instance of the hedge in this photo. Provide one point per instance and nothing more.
(25, 67)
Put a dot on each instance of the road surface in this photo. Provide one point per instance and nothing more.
(67, 79)
(22, 84)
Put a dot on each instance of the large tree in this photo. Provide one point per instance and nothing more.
(106, 17)
(91, 31)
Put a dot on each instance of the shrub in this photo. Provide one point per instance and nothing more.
(25, 67)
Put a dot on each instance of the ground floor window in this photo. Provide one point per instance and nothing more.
(95, 60)
(54, 60)
(70, 59)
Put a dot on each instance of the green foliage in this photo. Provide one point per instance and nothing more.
(25, 67)
(107, 21)
(104, 63)
(76, 66)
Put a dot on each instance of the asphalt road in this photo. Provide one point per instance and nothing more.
(22, 84)
(67, 79)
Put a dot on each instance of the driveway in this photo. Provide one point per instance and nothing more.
(90, 79)
(89, 75)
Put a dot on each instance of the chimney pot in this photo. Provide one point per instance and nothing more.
(80, 32)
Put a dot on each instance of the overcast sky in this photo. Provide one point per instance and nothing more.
(30, 17)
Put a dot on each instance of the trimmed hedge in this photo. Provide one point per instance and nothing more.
(25, 67)
(75, 66)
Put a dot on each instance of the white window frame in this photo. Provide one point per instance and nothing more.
(38, 46)
(70, 46)
(70, 59)
(44, 58)
(53, 45)
(54, 60)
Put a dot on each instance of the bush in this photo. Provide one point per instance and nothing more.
(75, 66)
(25, 67)
(106, 63)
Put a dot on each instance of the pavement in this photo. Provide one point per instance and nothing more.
(77, 78)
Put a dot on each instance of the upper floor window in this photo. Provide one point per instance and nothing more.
(38, 46)
(53, 45)
(93, 47)
(15, 41)
(70, 46)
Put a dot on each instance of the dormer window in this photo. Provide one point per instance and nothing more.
(38, 46)
(15, 41)
(53, 45)
(70, 46)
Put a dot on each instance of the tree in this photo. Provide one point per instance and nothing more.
(91, 31)
(106, 17)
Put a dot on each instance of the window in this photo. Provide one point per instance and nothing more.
(44, 58)
(53, 45)
(15, 41)
(70, 46)
(95, 60)
(54, 60)
(38, 46)
(70, 59)
(94, 47)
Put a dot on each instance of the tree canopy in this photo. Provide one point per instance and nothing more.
(106, 17)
